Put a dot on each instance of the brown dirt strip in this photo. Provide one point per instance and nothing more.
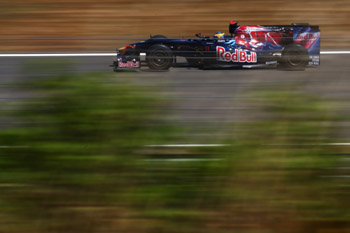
(111, 20)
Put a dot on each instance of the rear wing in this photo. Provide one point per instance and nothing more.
(301, 33)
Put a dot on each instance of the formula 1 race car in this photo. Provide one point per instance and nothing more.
(294, 46)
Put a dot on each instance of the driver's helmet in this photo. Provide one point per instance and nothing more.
(219, 35)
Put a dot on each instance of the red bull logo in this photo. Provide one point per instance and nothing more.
(235, 56)
(308, 36)
(307, 39)
(128, 64)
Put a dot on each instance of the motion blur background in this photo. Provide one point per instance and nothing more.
(83, 149)
(114, 20)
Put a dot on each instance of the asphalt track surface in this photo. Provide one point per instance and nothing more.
(202, 99)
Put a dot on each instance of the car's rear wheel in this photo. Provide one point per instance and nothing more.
(159, 57)
(295, 56)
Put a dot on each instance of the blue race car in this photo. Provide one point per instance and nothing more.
(293, 46)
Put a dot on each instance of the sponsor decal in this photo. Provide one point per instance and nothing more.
(314, 60)
(236, 56)
(307, 39)
(128, 64)
(271, 62)
(308, 36)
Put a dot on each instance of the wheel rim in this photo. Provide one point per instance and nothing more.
(160, 59)
(295, 58)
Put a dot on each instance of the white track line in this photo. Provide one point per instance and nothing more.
(334, 52)
(340, 144)
(188, 145)
(111, 54)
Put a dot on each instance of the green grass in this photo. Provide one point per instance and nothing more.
(85, 167)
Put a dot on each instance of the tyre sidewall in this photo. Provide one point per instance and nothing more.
(165, 55)
(295, 56)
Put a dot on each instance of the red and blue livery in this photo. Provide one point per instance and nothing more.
(294, 46)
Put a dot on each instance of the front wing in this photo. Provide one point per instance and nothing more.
(126, 63)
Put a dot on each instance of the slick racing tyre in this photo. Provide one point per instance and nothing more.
(159, 57)
(295, 56)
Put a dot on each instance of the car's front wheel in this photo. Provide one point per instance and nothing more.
(159, 57)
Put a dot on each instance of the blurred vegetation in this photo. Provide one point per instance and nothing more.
(76, 160)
